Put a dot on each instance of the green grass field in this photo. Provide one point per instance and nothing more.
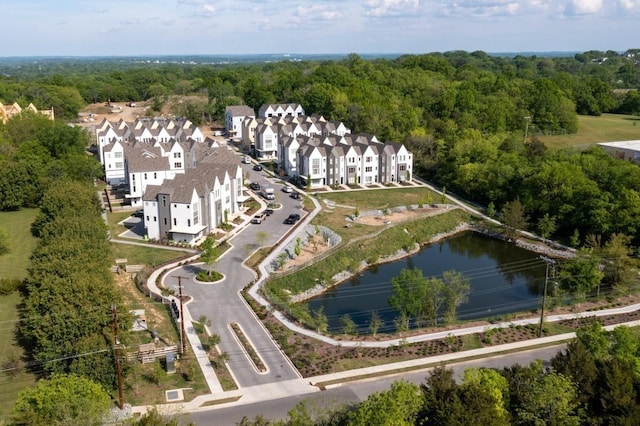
(592, 130)
(139, 255)
(13, 265)
(18, 226)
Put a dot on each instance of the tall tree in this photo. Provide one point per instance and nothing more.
(398, 406)
(456, 288)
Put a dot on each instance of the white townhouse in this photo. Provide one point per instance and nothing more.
(280, 110)
(345, 160)
(234, 115)
(146, 165)
(266, 141)
(113, 162)
(193, 204)
(110, 134)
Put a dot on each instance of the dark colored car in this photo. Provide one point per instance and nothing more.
(268, 212)
(295, 195)
(257, 167)
(138, 213)
(255, 186)
(293, 218)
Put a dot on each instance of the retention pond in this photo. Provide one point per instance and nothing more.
(504, 279)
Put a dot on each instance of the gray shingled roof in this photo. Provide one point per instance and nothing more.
(241, 111)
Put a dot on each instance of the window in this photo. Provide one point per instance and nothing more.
(134, 188)
(119, 165)
(177, 165)
(155, 219)
(196, 214)
(155, 175)
(145, 176)
(175, 221)
(403, 167)
(315, 166)
(147, 218)
(267, 143)
(165, 221)
(368, 159)
(164, 202)
(177, 155)
(117, 154)
(133, 177)
(226, 187)
(188, 222)
(368, 169)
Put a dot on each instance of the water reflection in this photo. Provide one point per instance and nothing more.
(504, 279)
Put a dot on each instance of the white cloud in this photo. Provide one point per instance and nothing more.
(629, 6)
(201, 7)
(488, 8)
(317, 12)
(390, 8)
(584, 7)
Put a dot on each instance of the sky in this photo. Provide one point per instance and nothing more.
(173, 27)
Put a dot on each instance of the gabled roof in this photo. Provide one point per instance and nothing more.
(240, 111)
(142, 157)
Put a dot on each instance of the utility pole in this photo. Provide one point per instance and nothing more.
(114, 312)
(183, 334)
(550, 263)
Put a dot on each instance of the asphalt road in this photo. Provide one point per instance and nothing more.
(352, 392)
(222, 304)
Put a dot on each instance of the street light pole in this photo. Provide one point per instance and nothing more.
(183, 334)
(549, 263)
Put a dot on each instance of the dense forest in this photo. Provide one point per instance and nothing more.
(462, 114)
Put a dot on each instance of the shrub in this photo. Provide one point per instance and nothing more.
(9, 285)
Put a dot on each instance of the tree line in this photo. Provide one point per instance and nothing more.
(66, 322)
(595, 381)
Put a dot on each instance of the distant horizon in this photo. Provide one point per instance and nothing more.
(285, 55)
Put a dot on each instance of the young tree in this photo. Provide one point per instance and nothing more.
(408, 292)
(456, 290)
(375, 323)
(580, 275)
(491, 209)
(513, 217)
(209, 254)
(320, 320)
(281, 260)
(348, 325)
(546, 225)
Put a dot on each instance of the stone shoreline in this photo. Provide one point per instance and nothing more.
(341, 277)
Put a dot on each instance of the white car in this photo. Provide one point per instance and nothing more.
(245, 159)
(287, 189)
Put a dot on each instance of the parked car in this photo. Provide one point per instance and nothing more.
(259, 218)
(257, 167)
(292, 218)
(255, 186)
(245, 159)
(138, 213)
(295, 195)
(268, 212)
(287, 189)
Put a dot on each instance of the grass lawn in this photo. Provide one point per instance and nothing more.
(380, 199)
(18, 226)
(592, 130)
(14, 381)
(13, 265)
(141, 255)
(114, 218)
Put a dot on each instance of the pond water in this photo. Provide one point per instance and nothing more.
(504, 279)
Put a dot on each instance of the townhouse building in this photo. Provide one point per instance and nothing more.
(234, 115)
(10, 111)
(191, 205)
(112, 138)
(280, 110)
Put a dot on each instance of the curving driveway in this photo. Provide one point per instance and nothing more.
(222, 303)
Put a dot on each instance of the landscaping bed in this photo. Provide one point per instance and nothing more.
(313, 357)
